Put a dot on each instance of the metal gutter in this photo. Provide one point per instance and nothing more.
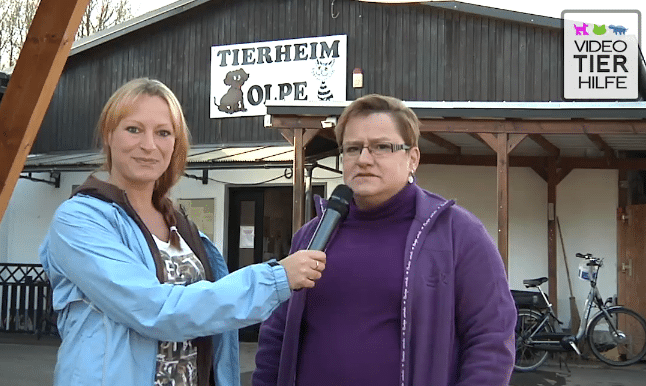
(497, 13)
(485, 110)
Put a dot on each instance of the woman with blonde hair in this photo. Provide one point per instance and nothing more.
(143, 297)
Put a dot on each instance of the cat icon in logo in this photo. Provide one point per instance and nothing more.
(233, 100)
(599, 29)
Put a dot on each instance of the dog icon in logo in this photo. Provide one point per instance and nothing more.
(618, 29)
(581, 29)
(233, 100)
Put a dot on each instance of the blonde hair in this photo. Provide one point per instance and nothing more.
(119, 106)
(406, 119)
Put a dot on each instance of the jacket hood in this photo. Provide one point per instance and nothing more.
(103, 191)
(112, 194)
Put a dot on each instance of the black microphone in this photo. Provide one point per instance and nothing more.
(337, 209)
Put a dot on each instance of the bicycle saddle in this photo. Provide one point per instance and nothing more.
(534, 282)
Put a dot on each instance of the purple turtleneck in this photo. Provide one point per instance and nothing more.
(352, 319)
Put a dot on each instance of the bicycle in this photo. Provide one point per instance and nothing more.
(616, 335)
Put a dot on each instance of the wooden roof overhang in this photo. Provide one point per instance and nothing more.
(552, 138)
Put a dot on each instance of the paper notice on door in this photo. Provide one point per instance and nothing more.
(246, 236)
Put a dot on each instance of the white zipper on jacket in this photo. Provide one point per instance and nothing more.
(405, 297)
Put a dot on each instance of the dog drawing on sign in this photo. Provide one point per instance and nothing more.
(582, 29)
(233, 100)
(618, 29)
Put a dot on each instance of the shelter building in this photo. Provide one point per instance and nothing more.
(497, 135)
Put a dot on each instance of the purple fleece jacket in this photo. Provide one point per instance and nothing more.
(458, 315)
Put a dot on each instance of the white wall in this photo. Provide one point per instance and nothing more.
(586, 204)
(474, 188)
(29, 213)
(33, 204)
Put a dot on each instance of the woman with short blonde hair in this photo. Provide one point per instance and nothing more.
(143, 297)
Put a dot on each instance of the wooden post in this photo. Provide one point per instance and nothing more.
(552, 183)
(32, 85)
(299, 181)
(502, 173)
(502, 144)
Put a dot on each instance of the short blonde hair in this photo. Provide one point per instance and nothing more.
(406, 119)
(120, 105)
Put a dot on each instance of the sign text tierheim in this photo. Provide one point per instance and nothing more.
(245, 76)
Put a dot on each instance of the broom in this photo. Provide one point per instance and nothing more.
(575, 319)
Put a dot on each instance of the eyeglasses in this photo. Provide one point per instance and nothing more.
(379, 149)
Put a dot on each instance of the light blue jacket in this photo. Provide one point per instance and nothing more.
(112, 310)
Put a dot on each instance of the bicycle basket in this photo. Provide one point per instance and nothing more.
(585, 272)
(528, 299)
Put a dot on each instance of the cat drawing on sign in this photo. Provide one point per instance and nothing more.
(323, 71)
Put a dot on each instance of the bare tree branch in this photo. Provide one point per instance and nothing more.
(16, 17)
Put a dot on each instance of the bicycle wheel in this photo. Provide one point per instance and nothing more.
(619, 340)
(529, 358)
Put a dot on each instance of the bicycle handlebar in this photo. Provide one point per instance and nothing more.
(593, 260)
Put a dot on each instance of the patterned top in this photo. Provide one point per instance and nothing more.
(177, 361)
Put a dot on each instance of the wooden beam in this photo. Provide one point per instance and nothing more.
(502, 168)
(296, 122)
(298, 214)
(552, 182)
(288, 134)
(478, 138)
(517, 126)
(534, 126)
(514, 140)
(545, 144)
(528, 161)
(490, 140)
(562, 173)
(540, 170)
(623, 188)
(32, 85)
(602, 145)
(327, 133)
(308, 135)
(441, 142)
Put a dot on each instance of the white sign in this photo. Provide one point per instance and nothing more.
(244, 76)
(600, 54)
(247, 234)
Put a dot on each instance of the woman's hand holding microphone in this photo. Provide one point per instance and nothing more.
(303, 268)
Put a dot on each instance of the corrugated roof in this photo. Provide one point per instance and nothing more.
(199, 157)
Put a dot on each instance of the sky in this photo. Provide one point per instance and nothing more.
(550, 8)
